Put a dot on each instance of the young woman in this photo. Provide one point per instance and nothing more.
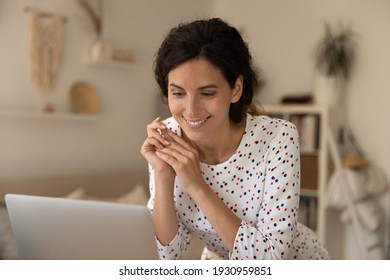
(218, 169)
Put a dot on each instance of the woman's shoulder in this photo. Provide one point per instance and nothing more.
(268, 130)
(267, 123)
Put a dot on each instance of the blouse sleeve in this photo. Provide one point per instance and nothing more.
(176, 248)
(272, 237)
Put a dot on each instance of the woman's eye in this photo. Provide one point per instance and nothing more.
(208, 94)
(177, 94)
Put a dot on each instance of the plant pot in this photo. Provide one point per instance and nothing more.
(329, 90)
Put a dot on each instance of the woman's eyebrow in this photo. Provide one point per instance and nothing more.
(176, 86)
(208, 86)
(199, 88)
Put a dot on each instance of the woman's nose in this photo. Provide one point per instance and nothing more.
(193, 106)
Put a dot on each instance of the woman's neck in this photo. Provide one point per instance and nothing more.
(221, 146)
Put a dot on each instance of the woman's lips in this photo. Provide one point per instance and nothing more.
(196, 123)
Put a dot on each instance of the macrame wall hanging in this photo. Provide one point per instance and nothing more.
(46, 39)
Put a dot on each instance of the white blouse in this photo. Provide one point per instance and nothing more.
(260, 184)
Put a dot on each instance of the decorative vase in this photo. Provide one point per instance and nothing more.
(100, 50)
(329, 90)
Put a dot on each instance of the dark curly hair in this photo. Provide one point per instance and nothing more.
(221, 45)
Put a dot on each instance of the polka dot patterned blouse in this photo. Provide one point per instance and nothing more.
(260, 184)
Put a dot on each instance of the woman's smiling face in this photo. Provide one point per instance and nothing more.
(199, 99)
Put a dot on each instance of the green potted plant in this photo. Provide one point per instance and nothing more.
(334, 56)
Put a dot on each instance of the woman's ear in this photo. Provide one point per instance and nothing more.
(237, 90)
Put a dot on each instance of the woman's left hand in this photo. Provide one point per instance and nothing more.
(184, 159)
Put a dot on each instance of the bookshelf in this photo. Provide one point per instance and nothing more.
(312, 122)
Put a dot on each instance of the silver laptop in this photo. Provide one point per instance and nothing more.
(47, 228)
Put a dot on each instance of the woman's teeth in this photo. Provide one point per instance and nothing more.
(196, 123)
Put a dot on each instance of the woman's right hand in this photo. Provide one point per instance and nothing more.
(157, 139)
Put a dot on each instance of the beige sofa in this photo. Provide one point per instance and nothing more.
(129, 186)
(105, 185)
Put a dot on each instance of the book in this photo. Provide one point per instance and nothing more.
(308, 212)
(309, 133)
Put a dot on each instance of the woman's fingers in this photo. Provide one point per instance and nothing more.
(179, 155)
(170, 147)
(166, 158)
(156, 130)
(154, 142)
(180, 140)
(166, 134)
(184, 160)
(156, 125)
(172, 152)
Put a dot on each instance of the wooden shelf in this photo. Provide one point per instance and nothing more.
(110, 63)
(48, 116)
(294, 108)
(309, 192)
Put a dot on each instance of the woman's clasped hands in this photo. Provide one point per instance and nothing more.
(169, 153)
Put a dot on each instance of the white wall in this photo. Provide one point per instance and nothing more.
(282, 35)
(35, 147)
